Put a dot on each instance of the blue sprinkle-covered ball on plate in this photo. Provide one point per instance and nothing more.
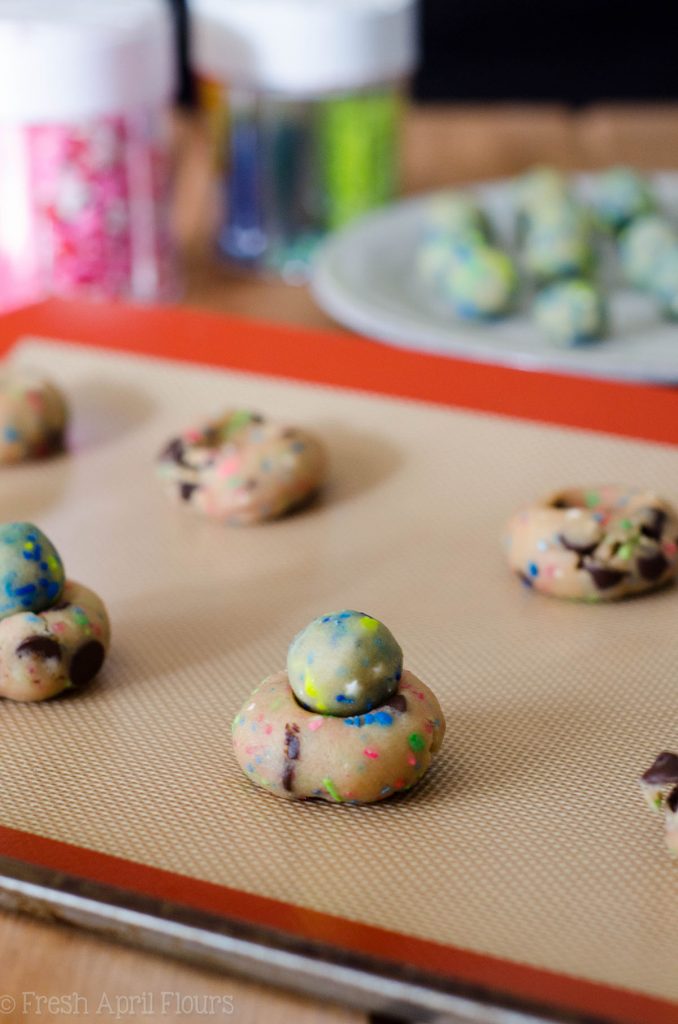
(620, 195)
(481, 282)
(664, 284)
(570, 312)
(642, 245)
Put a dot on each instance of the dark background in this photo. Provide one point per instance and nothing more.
(575, 51)
(572, 51)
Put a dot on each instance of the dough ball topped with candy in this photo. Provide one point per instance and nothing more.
(344, 663)
(31, 571)
(54, 633)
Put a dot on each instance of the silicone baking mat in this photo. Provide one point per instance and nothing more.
(525, 863)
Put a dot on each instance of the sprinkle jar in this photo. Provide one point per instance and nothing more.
(314, 95)
(85, 87)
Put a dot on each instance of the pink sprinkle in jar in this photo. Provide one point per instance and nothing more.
(85, 88)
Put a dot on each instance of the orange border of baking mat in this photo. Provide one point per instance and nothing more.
(643, 412)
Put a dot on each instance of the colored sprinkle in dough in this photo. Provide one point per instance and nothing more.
(369, 623)
(374, 718)
(411, 760)
(533, 569)
(626, 524)
(592, 498)
(416, 741)
(316, 723)
(332, 790)
(369, 752)
(625, 551)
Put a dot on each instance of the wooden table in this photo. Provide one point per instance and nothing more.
(443, 145)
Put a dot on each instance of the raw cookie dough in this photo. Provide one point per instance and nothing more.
(621, 195)
(642, 245)
(33, 416)
(242, 468)
(537, 188)
(344, 664)
(300, 754)
(570, 312)
(480, 282)
(451, 220)
(454, 216)
(62, 647)
(31, 572)
(557, 243)
(660, 788)
(664, 283)
(595, 544)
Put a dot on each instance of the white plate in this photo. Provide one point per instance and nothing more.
(364, 277)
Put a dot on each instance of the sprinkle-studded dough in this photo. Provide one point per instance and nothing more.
(31, 571)
(595, 544)
(65, 646)
(243, 469)
(344, 663)
(299, 754)
(660, 789)
(33, 417)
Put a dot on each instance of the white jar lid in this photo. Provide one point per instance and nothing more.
(303, 46)
(62, 60)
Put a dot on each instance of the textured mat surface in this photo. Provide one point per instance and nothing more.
(528, 840)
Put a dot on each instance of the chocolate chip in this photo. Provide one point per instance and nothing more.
(60, 606)
(174, 452)
(186, 490)
(664, 770)
(41, 647)
(672, 800)
(250, 484)
(53, 442)
(560, 503)
(603, 577)
(524, 579)
(292, 751)
(654, 524)
(86, 662)
(652, 566)
(398, 702)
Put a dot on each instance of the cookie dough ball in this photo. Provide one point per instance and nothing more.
(557, 244)
(299, 755)
(664, 283)
(31, 571)
(539, 187)
(455, 216)
(243, 469)
(641, 247)
(570, 313)
(433, 260)
(344, 663)
(595, 544)
(621, 195)
(60, 648)
(33, 417)
(660, 789)
(481, 282)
